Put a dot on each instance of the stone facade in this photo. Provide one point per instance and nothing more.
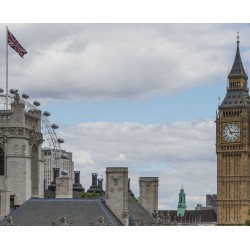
(233, 149)
(22, 168)
(117, 192)
(149, 193)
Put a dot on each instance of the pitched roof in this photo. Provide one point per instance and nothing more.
(78, 212)
(138, 214)
(237, 69)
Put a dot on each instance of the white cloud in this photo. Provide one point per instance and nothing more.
(110, 61)
(181, 153)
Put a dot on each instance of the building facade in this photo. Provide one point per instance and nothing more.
(21, 164)
(66, 164)
(233, 148)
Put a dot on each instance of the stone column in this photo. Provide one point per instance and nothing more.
(117, 192)
(4, 202)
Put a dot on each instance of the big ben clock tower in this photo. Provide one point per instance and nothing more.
(233, 148)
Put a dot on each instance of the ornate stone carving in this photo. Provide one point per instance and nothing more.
(62, 222)
(100, 221)
(16, 97)
(9, 222)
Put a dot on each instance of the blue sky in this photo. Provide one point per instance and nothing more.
(192, 104)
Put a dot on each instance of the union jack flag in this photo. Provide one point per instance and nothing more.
(14, 44)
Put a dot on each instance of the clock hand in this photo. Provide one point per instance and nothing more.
(229, 129)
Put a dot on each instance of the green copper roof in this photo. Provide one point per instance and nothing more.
(182, 203)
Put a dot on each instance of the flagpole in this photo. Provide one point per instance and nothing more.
(7, 99)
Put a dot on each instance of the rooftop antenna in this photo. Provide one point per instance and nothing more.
(141, 172)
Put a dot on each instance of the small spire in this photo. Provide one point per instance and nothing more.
(238, 37)
(237, 69)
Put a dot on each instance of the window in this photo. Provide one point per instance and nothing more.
(1, 161)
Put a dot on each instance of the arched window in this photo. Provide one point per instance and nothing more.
(34, 171)
(1, 161)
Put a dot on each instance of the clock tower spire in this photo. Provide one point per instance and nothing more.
(233, 148)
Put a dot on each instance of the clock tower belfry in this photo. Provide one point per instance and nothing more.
(233, 148)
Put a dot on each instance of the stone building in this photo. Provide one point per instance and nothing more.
(116, 208)
(21, 164)
(233, 148)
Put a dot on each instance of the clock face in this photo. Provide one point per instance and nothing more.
(231, 132)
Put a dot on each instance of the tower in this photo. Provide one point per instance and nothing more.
(149, 193)
(233, 148)
(117, 192)
(21, 165)
(182, 203)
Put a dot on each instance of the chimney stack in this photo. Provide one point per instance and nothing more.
(77, 186)
(149, 193)
(64, 187)
(52, 185)
(117, 192)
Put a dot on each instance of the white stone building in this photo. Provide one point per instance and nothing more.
(65, 164)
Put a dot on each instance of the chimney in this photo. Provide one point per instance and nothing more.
(100, 183)
(149, 193)
(117, 192)
(64, 187)
(4, 202)
(77, 177)
(52, 186)
(77, 186)
(94, 180)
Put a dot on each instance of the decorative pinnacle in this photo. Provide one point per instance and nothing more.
(238, 37)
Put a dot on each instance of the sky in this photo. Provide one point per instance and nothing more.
(142, 96)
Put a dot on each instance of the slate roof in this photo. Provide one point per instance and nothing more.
(237, 69)
(78, 212)
(235, 99)
(137, 212)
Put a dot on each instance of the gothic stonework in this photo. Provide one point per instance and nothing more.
(233, 149)
(21, 167)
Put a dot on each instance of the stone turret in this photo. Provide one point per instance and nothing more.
(21, 164)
